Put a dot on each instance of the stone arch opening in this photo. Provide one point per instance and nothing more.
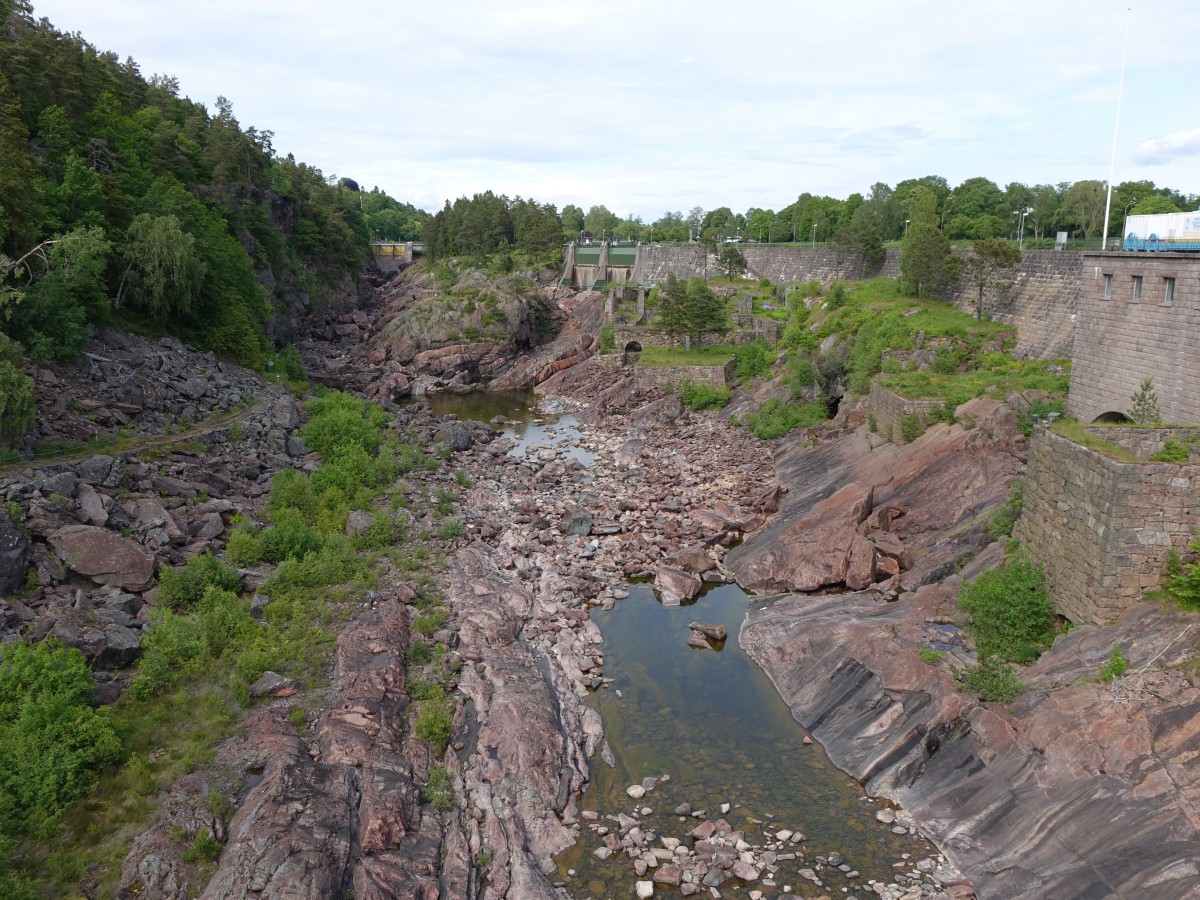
(633, 352)
(1113, 417)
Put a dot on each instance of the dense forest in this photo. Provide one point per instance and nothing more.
(123, 203)
(488, 224)
(977, 208)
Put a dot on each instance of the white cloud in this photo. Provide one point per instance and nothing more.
(676, 103)
(1169, 147)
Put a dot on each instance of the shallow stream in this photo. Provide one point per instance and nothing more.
(711, 721)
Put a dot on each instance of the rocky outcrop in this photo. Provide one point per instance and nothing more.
(1078, 789)
(1074, 793)
(860, 512)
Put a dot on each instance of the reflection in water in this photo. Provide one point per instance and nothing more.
(527, 428)
(714, 723)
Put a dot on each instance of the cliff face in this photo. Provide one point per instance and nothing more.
(1077, 789)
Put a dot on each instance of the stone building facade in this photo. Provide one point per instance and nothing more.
(1139, 317)
(1103, 529)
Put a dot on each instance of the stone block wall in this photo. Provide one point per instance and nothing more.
(1042, 302)
(1103, 528)
(645, 377)
(889, 410)
(1146, 442)
(1121, 340)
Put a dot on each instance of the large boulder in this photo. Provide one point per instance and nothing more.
(675, 586)
(104, 557)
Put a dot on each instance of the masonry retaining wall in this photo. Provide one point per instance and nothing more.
(1146, 442)
(646, 377)
(1042, 301)
(890, 409)
(1121, 340)
(1102, 528)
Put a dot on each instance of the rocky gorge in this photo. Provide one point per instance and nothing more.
(855, 547)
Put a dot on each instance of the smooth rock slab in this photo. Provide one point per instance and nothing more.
(103, 556)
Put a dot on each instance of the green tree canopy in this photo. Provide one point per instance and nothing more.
(163, 274)
(993, 264)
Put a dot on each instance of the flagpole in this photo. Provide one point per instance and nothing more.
(1112, 166)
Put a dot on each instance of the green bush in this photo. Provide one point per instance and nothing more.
(204, 848)
(1011, 616)
(289, 364)
(181, 588)
(992, 680)
(438, 791)
(52, 743)
(1116, 666)
(704, 396)
(1183, 582)
(1173, 451)
(777, 418)
(752, 360)
(607, 341)
(435, 721)
(836, 296)
(449, 529)
(911, 428)
(1006, 517)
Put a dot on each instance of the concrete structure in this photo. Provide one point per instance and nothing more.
(1139, 317)
(1103, 529)
(391, 255)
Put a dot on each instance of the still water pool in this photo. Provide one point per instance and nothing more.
(712, 721)
(708, 718)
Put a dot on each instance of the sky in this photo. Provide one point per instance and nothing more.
(658, 105)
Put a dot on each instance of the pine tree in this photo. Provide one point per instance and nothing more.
(1143, 405)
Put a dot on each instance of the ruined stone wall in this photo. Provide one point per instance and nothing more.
(1145, 442)
(1102, 528)
(1121, 340)
(646, 377)
(889, 410)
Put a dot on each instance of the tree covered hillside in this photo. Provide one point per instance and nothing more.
(122, 202)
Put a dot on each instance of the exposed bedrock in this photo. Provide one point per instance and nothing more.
(1076, 790)
(860, 512)
(529, 767)
(1071, 795)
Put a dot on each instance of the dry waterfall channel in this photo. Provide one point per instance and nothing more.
(699, 781)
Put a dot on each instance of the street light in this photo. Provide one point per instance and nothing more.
(945, 206)
(814, 241)
(906, 221)
(1021, 229)
(1125, 224)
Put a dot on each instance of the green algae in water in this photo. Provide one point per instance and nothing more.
(714, 723)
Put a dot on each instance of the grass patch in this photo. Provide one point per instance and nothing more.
(777, 418)
(704, 396)
(1077, 433)
(995, 375)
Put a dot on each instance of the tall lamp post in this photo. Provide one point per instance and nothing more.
(1125, 223)
(1021, 227)
(814, 240)
(906, 221)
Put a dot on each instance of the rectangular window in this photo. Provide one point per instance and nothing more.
(1168, 291)
(1137, 287)
(1107, 287)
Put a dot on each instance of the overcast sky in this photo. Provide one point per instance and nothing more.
(654, 106)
